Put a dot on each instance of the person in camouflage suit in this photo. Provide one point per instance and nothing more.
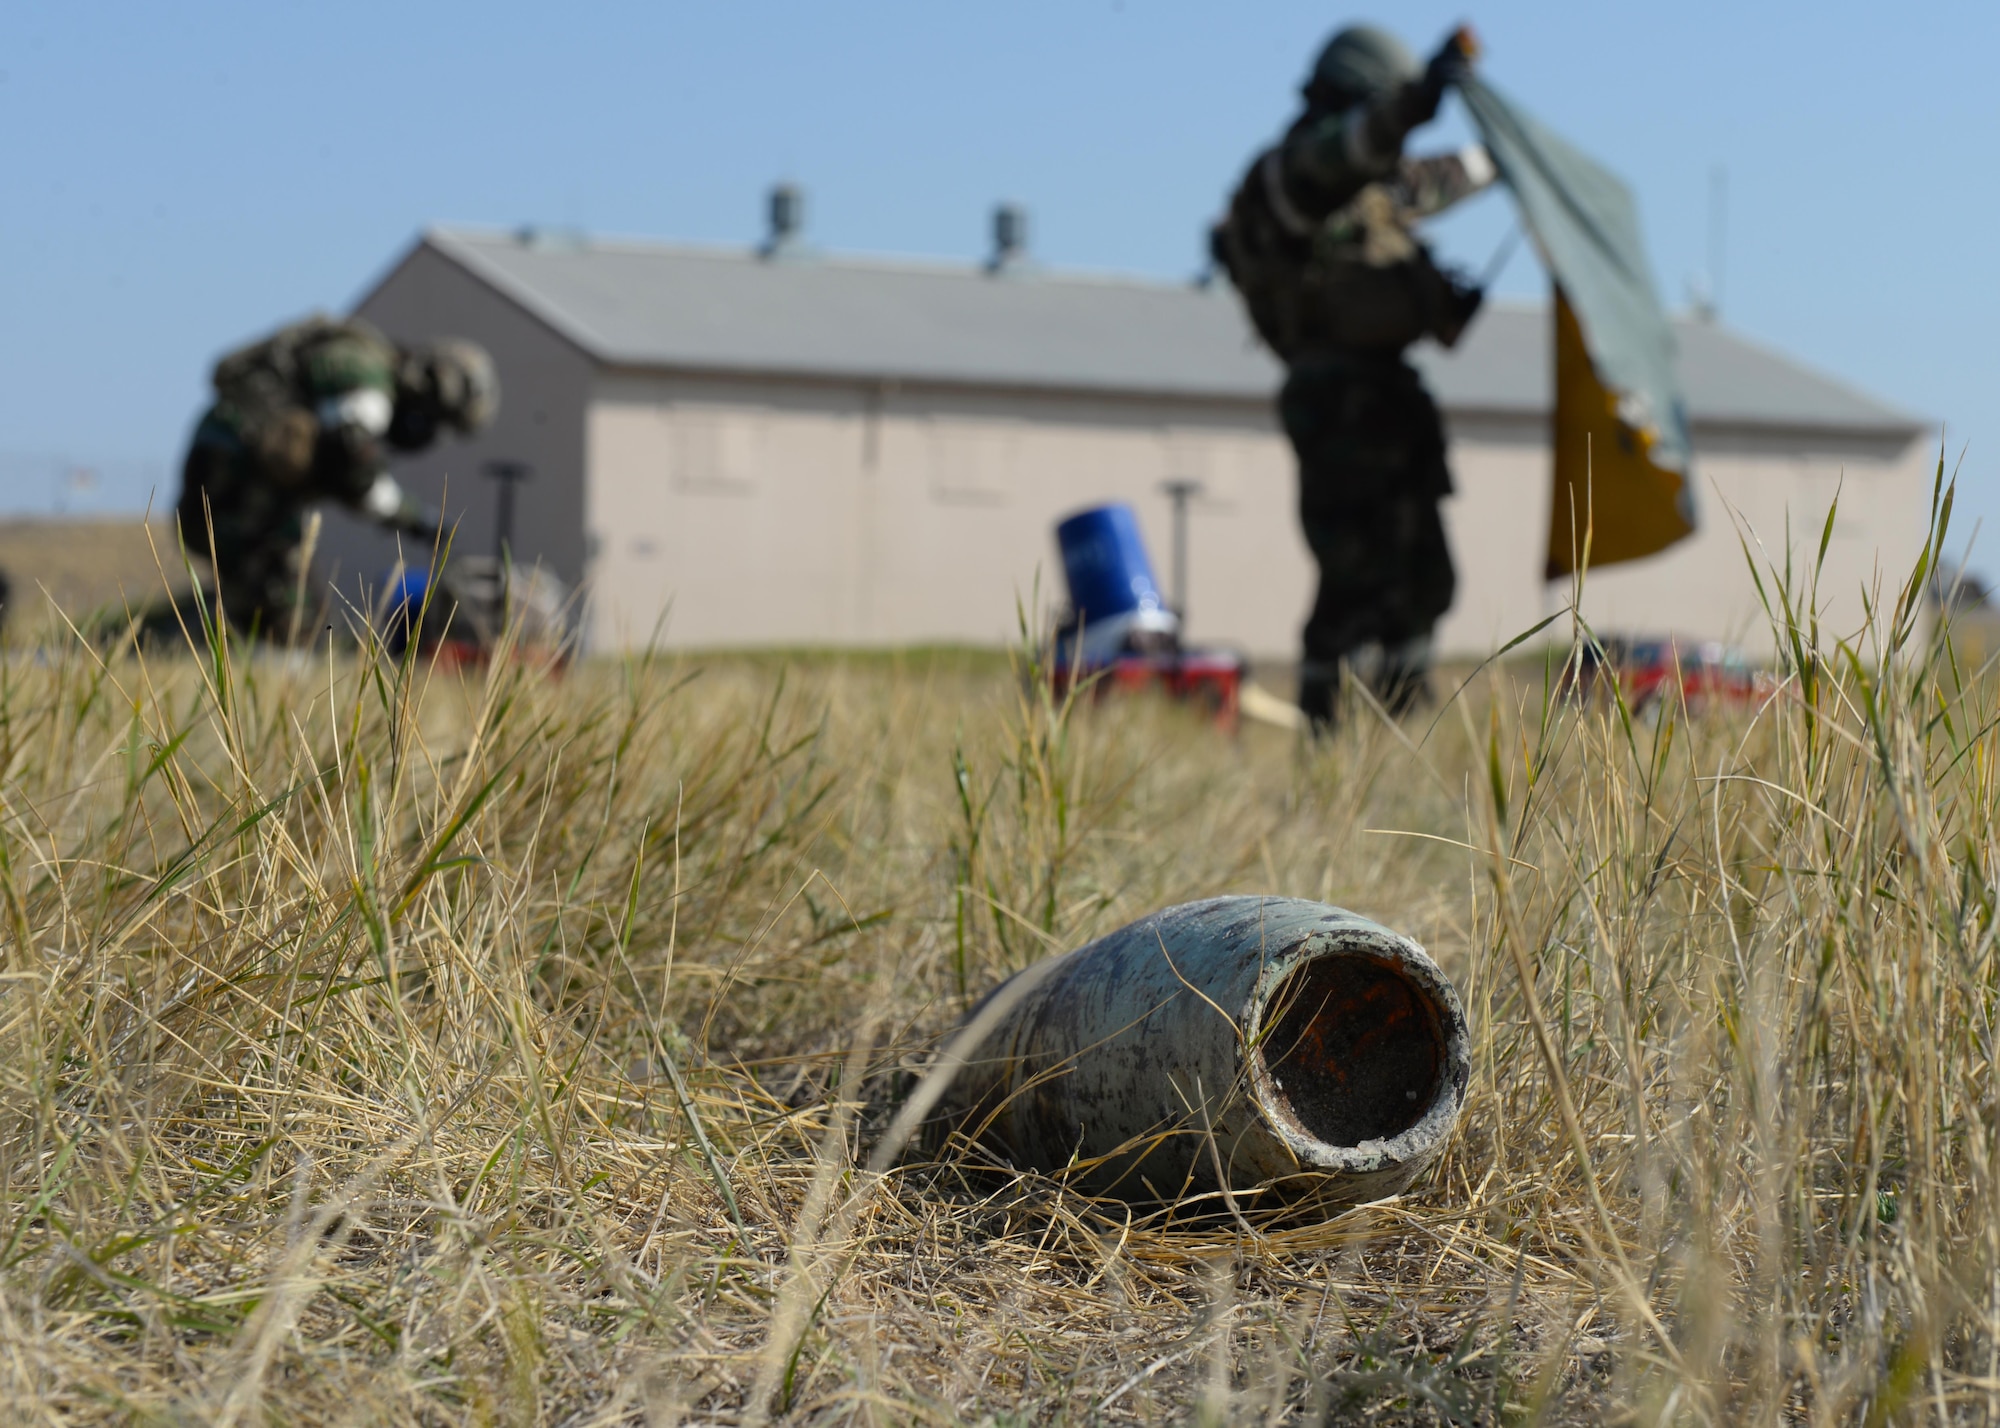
(309, 414)
(1320, 241)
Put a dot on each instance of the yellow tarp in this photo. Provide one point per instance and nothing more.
(1612, 501)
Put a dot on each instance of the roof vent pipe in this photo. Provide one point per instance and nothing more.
(1010, 238)
(787, 210)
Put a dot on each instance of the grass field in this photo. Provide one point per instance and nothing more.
(392, 1045)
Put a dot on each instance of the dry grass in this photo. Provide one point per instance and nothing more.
(385, 1047)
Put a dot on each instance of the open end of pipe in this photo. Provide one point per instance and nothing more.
(1355, 1049)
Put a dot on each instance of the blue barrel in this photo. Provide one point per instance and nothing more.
(1104, 561)
(403, 605)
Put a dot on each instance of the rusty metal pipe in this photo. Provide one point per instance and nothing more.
(1274, 1048)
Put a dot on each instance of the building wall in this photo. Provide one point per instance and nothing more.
(544, 387)
(769, 513)
(795, 513)
(766, 512)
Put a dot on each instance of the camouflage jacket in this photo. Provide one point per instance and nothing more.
(312, 405)
(1320, 237)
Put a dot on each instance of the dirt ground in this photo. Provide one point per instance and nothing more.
(82, 565)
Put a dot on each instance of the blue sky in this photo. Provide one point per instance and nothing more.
(180, 177)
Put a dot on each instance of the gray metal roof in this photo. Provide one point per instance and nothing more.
(647, 305)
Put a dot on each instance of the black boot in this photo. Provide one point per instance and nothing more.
(1402, 677)
(1319, 695)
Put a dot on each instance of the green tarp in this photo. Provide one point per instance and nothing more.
(1622, 454)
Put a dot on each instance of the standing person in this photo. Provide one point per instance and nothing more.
(1320, 241)
(309, 414)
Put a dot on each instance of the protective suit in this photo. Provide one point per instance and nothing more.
(309, 414)
(1321, 242)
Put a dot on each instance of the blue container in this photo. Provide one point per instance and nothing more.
(1104, 561)
(402, 606)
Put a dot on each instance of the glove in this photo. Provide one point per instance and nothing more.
(1451, 63)
(389, 504)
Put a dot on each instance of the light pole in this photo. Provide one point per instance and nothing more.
(1180, 492)
(509, 474)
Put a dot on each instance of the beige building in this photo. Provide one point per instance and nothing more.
(744, 448)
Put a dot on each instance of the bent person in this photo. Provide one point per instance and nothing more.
(310, 414)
